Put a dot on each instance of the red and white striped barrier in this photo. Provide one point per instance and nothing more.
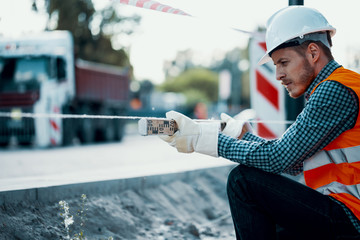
(267, 94)
(55, 127)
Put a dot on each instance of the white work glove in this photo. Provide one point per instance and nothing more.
(235, 128)
(192, 136)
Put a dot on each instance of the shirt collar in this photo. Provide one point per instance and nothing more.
(323, 74)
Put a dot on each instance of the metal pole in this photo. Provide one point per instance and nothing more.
(293, 107)
(296, 2)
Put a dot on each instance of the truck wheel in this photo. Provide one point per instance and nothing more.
(68, 133)
(4, 133)
(25, 140)
(105, 127)
(106, 132)
(119, 129)
(87, 133)
(109, 131)
(4, 143)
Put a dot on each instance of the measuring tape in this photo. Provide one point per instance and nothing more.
(162, 126)
(146, 125)
(155, 126)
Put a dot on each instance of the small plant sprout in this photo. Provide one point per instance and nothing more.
(82, 215)
(68, 218)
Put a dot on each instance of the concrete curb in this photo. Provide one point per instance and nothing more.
(56, 193)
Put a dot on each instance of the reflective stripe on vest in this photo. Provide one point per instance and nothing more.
(335, 170)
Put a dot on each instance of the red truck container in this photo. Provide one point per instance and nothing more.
(99, 82)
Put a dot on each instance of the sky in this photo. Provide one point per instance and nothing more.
(208, 33)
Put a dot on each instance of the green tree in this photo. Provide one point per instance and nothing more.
(92, 30)
(198, 85)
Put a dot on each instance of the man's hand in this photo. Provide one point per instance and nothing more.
(192, 136)
(235, 128)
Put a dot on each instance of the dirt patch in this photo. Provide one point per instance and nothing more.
(177, 210)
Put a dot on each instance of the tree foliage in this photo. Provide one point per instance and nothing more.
(198, 85)
(91, 40)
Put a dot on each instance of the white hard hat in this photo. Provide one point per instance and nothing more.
(294, 22)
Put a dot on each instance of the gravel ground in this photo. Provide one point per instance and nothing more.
(177, 210)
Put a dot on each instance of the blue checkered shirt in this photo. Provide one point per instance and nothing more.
(329, 111)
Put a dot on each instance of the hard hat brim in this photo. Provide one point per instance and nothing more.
(266, 58)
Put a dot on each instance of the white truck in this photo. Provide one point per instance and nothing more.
(39, 75)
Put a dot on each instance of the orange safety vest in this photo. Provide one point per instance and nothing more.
(335, 170)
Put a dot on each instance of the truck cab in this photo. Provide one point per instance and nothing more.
(36, 77)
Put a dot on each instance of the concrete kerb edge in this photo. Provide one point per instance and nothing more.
(56, 193)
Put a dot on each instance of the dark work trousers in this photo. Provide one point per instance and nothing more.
(266, 206)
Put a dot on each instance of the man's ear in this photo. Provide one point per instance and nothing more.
(314, 51)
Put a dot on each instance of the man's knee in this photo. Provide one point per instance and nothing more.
(234, 174)
(242, 177)
(235, 177)
(240, 171)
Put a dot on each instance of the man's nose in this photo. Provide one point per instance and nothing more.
(279, 74)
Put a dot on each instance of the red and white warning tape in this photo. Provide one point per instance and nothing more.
(154, 5)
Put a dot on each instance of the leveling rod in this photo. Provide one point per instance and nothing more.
(162, 126)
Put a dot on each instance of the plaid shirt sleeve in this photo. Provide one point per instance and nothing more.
(253, 138)
(331, 110)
